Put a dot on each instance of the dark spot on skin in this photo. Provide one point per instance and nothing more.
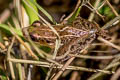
(72, 48)
(107, 37)
(42, 40)
(47, 41)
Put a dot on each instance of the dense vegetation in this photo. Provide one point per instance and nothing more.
(23, 59)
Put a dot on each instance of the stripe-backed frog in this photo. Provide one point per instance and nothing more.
(74, 36)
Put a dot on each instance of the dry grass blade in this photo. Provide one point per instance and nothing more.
(10, 63)
(109, 43)
(96, 57)
(94, 10)
(114, 11)
(92, 14)
(77, 6)
(30, 52)
(63, 68)
(66, 65)
(4, 15)
(116, 75)
(114, 62)
(46, 64)
(99, 74)
(112, 22)
(103, 3)
(19, 12)
(2, 46)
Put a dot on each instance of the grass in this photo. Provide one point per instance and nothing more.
(102, 57)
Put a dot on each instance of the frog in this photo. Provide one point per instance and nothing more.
(74, 37)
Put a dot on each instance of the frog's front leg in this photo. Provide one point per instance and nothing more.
(83, 43)
(67, 48)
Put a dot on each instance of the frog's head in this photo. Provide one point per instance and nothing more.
(30, 29)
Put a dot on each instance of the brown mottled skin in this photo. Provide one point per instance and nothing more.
(74, 37)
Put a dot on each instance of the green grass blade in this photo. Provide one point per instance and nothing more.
(6, 29)
(32, 16)
(44, 11)
(74, 15)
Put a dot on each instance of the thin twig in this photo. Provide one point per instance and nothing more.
(6, 13)
(112, 22)
(96, 44)
(49, 72)
(74, 75)
(113, 10)
(95, 57)
(29, 76)
(8, 56)
(116, 75)
(114, 63)
(77, 6)
(111, 51)
(66, 65)
(19, 67)
(2, 46)
(63, 68)
(19, 12)
(91, 17)
(95, 10)
(46, 64)
(109, 43)
(103, 3)
(93, 77)
(30, 52)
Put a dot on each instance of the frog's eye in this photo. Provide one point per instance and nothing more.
(32, 37)
(36, 23)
